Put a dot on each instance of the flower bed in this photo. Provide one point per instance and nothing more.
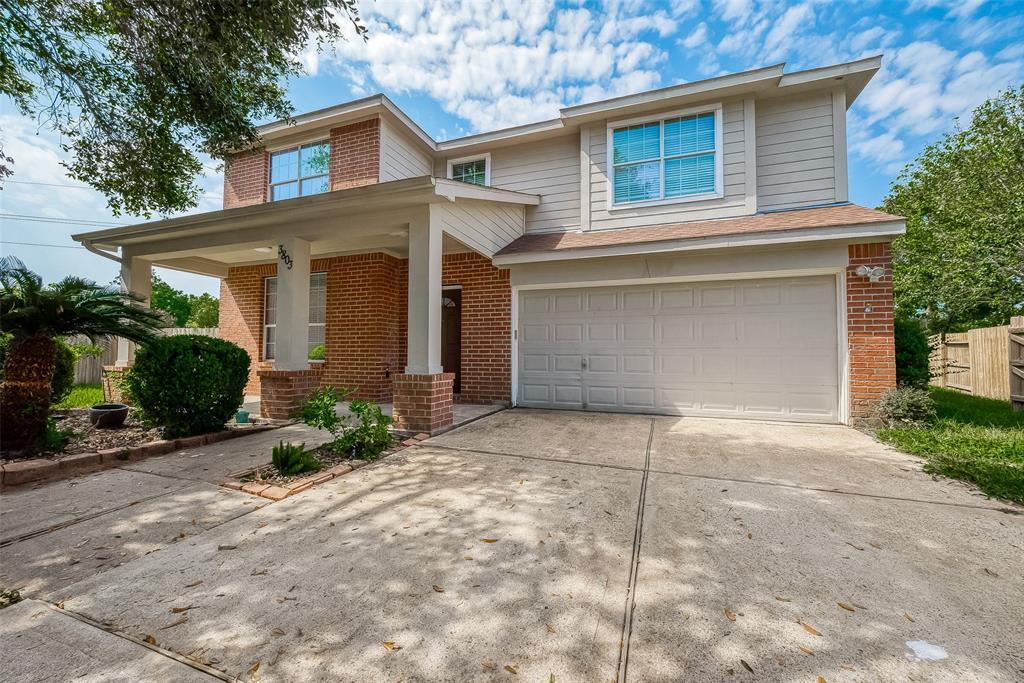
(265, 481)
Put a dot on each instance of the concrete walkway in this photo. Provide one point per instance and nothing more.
(532, 544)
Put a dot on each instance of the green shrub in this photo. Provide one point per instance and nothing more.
(912, 351)
(291, 459)
(368, 438)
(188, 384)
(63, 372)
(318, 352)
(905, 407)
(55, 438)
(319, 409)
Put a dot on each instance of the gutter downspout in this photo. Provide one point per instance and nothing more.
(100, 252)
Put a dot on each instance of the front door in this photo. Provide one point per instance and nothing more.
(451, 334)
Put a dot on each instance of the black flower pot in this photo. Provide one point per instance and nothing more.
(108, 415)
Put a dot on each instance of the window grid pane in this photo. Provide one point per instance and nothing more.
(680, 150)
(317, 313)
(474, 172)
(300, 171)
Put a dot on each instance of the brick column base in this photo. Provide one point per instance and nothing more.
(283, 391)
(114, 390)
(423, 403)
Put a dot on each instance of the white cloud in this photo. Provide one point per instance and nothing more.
(499, 64)
(698, 37)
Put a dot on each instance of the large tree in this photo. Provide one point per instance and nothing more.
(961, 262)
(139, 88)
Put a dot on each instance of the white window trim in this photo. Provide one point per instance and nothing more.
(298, 178)
(719, 158)
(266, 281)
(486, 156)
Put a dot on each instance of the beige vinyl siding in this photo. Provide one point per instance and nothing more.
(485, 227)
(400, 157)
(795, 151)
(731, 204)
(551, 169)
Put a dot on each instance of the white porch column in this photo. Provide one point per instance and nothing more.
(291, 339)
(424, 343)
(136, 277)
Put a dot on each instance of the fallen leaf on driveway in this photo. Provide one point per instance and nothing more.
(848, 608)
(730, 615)
(277, 632)
(821, 679)
(227, 547)
(856, 547)
(908, 617)
(179, 610)
(810, 629)
(489, 666)
(783, 599)
(438, 589)
(991, 573)
(489, 540)
(511, 669)
(551, 629)
(193, 584)
(746, 666)
(806, 650)
(254, 674)
(149, 639)
(390, 646)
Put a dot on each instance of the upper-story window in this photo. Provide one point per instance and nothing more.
(300, 171)
(475, 170)
(667, 159)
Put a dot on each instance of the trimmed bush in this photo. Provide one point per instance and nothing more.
(912, 353)
(189, 384)
(63, 372)
(906, 407)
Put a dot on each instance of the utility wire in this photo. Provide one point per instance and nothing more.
(40, 244)
(34, 182)
(61, 221)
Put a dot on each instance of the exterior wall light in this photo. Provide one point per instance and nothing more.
(874, 274)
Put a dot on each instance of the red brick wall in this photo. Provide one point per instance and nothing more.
(367, 298)
(355, 154)
(872, 354)
(486, 327)
(245, 179)
(355, 161)
(423, 403)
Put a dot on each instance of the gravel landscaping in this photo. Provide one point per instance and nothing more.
(88, 439)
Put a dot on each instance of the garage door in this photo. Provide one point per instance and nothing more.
(763, 349)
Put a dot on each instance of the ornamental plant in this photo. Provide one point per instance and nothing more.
(189, 384)
(365, 439)
(290, 459)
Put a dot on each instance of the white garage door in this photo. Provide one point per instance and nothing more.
(762, 349)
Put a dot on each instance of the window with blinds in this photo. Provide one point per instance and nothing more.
(317, 313)
(666, 159)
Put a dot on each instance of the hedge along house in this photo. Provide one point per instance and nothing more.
(687, 251)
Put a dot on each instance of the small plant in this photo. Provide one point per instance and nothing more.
(318, 352)
(319, 410)
(290, 459)
(906, 407)
(8, 598)
(55, 438)
(370, 437)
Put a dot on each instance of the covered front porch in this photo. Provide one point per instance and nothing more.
(388, 287)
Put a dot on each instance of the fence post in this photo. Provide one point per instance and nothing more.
(1016, 362)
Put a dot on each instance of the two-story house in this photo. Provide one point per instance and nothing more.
(688, 251)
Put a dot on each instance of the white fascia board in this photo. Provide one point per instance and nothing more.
(874, 231)
(498, 136)
(453, 189)
(825, 73)
(654, 96)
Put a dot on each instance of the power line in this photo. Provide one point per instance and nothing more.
(34, 182)
(61, 221)
(40, 244)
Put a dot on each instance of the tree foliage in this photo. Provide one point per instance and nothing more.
(205, 311)
(961, 262)
(138, 88)
(184, 310)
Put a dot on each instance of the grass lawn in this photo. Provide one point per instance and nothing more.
(979, 440)
(81, 396)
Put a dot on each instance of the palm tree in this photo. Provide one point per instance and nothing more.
(34, 316)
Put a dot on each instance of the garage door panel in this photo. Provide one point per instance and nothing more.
(752, 348)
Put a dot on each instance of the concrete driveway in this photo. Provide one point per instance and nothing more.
(535, 545)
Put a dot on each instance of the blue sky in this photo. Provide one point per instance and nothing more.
(459, 68)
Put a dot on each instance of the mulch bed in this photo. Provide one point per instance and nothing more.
(268, 474)
(88, 439)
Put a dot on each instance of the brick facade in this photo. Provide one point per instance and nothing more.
(872, 354)
(423, 403)
(354, 161)
(282, 391)
(367, 297)
(245, 179)
(355, 154)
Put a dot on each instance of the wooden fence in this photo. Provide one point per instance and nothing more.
(89, 370)
(976, 362)
(1016, 350)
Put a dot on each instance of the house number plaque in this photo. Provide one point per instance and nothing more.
(284, 256)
